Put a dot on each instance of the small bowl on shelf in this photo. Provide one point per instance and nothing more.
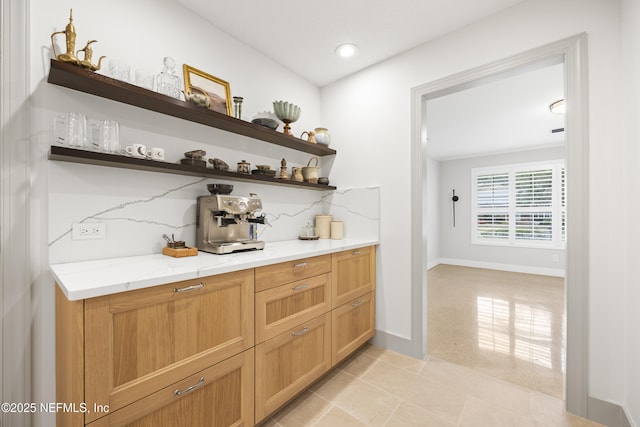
(266, 119)
(220, 188)
(268, 123)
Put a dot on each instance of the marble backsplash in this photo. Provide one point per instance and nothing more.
(138, 207)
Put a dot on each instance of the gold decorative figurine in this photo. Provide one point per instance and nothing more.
(70, 34)
(88, 52)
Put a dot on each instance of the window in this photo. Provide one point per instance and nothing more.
(519, 205)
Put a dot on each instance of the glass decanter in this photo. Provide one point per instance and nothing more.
(168, 83)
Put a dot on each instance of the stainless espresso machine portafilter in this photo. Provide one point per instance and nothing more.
(226, 223)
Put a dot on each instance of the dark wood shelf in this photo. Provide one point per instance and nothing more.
(78, 78)
(66, 154)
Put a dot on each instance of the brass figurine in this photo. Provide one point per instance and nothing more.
(88, 52)
(70, 35)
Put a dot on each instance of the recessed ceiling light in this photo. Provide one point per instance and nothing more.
(346, 50)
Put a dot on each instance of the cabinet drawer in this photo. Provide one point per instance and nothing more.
(353, 324)
(289, 362)
(273, 275)
(353, 274)
(282, 308)
(141, 341)
(219, 396)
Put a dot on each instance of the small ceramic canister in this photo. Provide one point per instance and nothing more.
(337, 230)
(323, 226)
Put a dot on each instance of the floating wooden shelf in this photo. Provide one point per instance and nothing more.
(78, 78)
(66, 154)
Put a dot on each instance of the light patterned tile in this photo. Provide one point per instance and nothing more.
(358, 364)
(410, 415)
(359, 399)
(303, 411)
(338, 418)
(436, 397)
(480, 413)
(396, 359)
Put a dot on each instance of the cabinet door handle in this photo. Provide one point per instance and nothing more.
(301, 265)
(356, 303)
(189, 389)
(300, 332)
(355, 253)
(301, 287)
(189, 288)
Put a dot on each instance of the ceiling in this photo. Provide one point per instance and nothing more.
(504, 115)
(302, 35)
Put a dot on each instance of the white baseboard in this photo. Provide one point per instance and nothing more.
(607, 413)
(395, 343)
(556, 272)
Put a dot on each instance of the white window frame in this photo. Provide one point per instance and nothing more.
(557, 208)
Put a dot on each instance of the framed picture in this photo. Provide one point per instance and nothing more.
(217, 89)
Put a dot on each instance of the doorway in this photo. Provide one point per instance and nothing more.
(571, 52)
(496, 254)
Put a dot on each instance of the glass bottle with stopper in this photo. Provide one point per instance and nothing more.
(168, 83)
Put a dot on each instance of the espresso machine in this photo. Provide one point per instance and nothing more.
(226, 223)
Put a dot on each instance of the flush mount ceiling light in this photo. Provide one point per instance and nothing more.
(558, 107)
(346, 50)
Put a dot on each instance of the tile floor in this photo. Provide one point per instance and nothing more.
(496, 342)
(507, 325)
(378, 387)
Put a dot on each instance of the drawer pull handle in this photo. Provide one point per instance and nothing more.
(356, 303)
(188, 288)
(301, 287)
(356, 253)
(300, 332)
(301, 265)
(189, 389)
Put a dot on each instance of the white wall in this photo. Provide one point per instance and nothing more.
(376, 133)
(455, 243)
(631, 55)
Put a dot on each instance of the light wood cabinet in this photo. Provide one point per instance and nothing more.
(281, 308)
(353, 324)
(353, 274)
(274, 275)
(136, 343)
(290, 362)
(219, 396)
(223, 350)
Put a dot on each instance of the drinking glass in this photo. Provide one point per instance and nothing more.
(70, 129)
(110, 136)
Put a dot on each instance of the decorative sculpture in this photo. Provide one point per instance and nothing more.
(88, 52)
(70, 35)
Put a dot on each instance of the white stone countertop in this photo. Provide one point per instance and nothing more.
(89, 279)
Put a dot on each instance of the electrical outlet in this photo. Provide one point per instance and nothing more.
(88, 230)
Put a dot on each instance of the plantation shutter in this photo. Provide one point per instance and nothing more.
(492, 221)
(534, 199)
(520, 205)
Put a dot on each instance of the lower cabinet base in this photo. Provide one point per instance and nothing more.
(219, 396)
(291, 398)
(290, 362)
